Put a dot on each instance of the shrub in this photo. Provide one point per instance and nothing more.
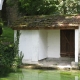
(6, 56)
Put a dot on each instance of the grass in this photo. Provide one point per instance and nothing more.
(8, 35)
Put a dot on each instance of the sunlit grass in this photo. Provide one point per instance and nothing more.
(71, 72)
(8, 35)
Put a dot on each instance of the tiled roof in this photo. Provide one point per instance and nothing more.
(47, 22)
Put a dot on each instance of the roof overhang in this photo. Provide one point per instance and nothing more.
(46, 28)
(47, 22)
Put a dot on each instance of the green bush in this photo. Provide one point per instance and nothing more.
(6, 56)
(10, 58)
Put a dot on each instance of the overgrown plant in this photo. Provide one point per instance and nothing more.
(18, 55)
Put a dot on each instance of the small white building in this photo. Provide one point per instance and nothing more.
(48, 37)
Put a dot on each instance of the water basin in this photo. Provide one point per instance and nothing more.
(30, 74)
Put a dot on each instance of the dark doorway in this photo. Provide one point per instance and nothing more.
(67, 43)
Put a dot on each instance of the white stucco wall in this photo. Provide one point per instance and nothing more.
(39, 44)
(42, 44)
(33, 44)
(29, 44)
(54, 43)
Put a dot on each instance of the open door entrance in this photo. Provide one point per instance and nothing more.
(67, 43)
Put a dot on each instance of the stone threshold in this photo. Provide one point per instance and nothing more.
(50, 67)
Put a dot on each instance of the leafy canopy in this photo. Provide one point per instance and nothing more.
(38, 7)
(69, 6)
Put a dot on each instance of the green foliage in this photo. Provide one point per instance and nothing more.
(8, 35)
(6, 50)
(9, 53)
(38, 7)
(11, 3)
(18, 60)
(6, 56)
(69, 6)
(1, 23)
(18, 55)
(46, 7)
(6, 47)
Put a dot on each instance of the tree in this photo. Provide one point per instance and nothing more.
(69, 7)
(38, 7)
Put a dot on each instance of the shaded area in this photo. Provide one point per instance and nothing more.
(1, 31)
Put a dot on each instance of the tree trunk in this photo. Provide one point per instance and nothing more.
(12, 11)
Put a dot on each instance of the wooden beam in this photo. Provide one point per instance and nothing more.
(44, 28)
